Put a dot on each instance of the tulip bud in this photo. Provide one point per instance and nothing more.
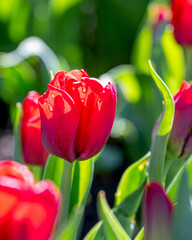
(182, 21)
(157, 212)
(77, 114)
(34, 152)
(28, 209)
(180, 140)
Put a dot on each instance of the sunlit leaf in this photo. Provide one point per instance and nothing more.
(95, 233)
(140, 235)
(54, 169)
(160, 138)
(131, 180)
(112, 228)
(70, 231)
(81, 182)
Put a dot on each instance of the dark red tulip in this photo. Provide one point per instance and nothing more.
(157, 213)
(180, 140)
(182, 21)
(34, 152)
(77, 114)
(28, 209)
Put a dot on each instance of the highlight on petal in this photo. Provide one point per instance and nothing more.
(60, 119)
(157, 213)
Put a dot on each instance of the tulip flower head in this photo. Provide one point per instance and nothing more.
(180, 140)
(157, 212)
(182, 21)
(77, 114)
(34, 152)
(28, 209)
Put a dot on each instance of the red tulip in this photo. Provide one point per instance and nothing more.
(180, 140)
(77, 114)
(33, 150)
(28, 209)
(182, 21)
(157, 213)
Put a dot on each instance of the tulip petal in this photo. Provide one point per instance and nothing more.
(59, 121)
(16, 170)
(182, 121)
(157, 213)
(33, 150)
(96, 120)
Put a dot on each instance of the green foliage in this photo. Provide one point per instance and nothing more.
(112, 228)
(161, 135)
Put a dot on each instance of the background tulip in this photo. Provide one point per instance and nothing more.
(28, 209)
(180, 140)
(182, 21)
(77, 114)
(157, 213)
(33, 150)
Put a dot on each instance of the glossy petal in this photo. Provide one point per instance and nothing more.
(98, 128)
(85, 125)
(60, 120)
(157, 213)
(32, 147)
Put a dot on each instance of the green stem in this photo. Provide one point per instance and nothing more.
(188, 63)
(66, 189)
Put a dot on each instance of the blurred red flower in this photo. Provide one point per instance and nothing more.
(28, 209)
(182, 21)
(34, 152)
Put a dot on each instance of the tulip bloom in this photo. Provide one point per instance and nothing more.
(180, 140)
(182, 21)
(28, 209)
(77, 114)
(157, 213)
(34, 152)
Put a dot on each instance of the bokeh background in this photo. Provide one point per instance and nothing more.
(111, 40)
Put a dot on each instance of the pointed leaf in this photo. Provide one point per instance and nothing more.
(140, 235)
(112, 228)
(95, 233)
(160, 138)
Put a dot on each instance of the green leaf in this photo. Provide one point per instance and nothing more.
(173, 186)
(130, 204)
(182, 220)
(160, 138)
(140, 235)
(69, 232)
(18, 156)
(95, 233)
(112, 228)
(131, 180)
(54, 169)
(81, 182)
